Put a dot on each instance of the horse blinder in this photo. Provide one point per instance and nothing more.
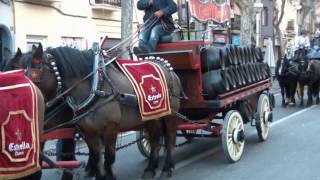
(34, 74)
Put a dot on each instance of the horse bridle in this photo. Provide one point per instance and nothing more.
(35, 69)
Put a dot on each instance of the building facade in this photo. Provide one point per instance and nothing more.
(55, 23)
(267, 26)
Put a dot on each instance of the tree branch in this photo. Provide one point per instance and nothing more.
(281, 13)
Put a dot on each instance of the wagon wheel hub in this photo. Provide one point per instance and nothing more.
(267, 116)
(238, 136)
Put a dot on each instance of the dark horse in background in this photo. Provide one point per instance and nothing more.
(292, 76)
(287, 80)
(300, 64)
(313, 74)
(101, 126)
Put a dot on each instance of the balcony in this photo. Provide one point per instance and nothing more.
(44, 1)
(110, 5)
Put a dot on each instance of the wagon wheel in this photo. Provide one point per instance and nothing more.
(188, 134)
(144, 144)
(264, 117)
(232, 137)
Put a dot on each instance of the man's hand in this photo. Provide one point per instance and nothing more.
(159, 14)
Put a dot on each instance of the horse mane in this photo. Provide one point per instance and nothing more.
(72, 62)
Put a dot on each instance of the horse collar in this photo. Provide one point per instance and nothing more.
(54, 67)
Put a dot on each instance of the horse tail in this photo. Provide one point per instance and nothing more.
(182, 93)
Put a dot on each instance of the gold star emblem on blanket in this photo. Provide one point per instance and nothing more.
(153, 89)
(18, 134)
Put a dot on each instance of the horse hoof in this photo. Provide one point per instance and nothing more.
(284, 105)
(110, 178)
(148, 175)
(89, 174)
(66, 175)
(166, 174)
(292, 104)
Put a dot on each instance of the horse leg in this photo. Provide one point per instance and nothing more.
(302, 94)
(152, 128)
(110, 139)
(317, 93)
(309, 102)
(170, 130)
(293, 88)
(283, 96)
(95, 159)
(91, 168)
(68, 147)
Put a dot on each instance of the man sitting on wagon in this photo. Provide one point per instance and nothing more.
(162, 10)
(302, 44)
(314, 53)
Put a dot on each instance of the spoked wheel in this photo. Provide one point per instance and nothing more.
(144, 144)
(232, 137)
(264, 117)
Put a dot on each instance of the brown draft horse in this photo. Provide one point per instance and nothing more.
(40, 111)
(101, 126)
(53, 116)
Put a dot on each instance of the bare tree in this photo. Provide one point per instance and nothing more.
(307, 6)
(247, 20)
(278, 16)
(126, 19)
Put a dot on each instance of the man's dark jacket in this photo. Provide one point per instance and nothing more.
(167, 6)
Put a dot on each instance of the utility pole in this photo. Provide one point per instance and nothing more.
(126, 21)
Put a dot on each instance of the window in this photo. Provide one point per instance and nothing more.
(290, 25)
(73, 42)
(35, 40)
(110, 2)
(264, 17)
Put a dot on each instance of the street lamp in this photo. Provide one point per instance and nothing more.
(258, 6)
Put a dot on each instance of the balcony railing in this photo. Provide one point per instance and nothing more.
(109, 2)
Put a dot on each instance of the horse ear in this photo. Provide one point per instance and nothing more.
(18, 53)
(34, 48)
(39, 51)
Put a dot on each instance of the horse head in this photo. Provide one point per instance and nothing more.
(38, 69)
(303, 73)
(282, 66)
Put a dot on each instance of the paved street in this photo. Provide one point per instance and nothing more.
(291, 153)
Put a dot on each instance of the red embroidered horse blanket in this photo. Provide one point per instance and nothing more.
(19, 128)
(150, 86)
